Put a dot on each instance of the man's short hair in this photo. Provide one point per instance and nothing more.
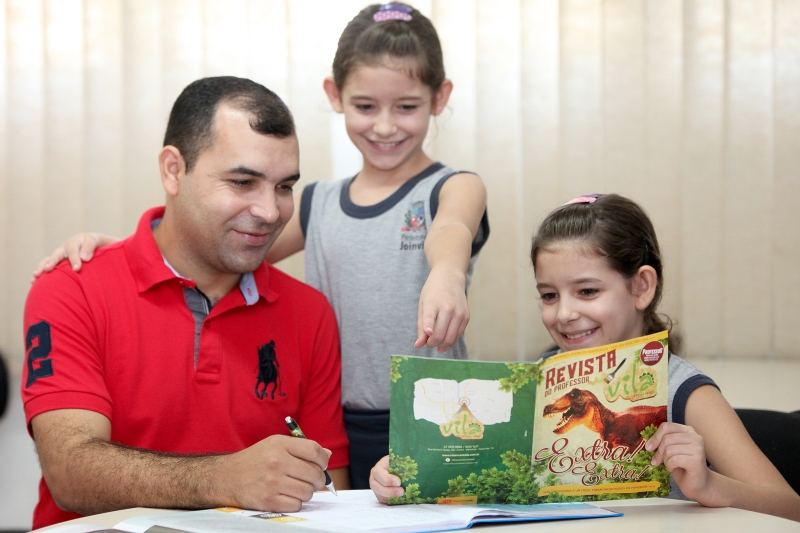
(191, 121)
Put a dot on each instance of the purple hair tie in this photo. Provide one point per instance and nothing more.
(392, 11)
(588, 199)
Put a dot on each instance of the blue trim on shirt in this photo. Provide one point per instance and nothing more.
(682, 395)
(371, 211)
(305, 206)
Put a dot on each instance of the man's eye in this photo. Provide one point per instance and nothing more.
(241, 183)
(286, 187)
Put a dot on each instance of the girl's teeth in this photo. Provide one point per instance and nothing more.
(579, 335)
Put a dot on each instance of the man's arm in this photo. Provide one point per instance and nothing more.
(88, 474)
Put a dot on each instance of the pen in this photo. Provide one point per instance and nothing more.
(295, 430)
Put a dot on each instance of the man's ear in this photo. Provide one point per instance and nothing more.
(173, 169)
(334, 97)
(441, 97)
(645, 282)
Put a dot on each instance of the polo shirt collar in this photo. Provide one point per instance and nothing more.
(150, 268)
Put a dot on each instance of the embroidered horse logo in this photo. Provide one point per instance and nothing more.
(268, 372)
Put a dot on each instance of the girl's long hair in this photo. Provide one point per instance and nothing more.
(617, 229)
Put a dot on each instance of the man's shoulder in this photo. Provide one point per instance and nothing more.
(292, 289)
(106, 261)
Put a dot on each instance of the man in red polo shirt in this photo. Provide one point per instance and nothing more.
(161, 373)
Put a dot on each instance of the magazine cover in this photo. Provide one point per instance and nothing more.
(569, 429)
(595, 408)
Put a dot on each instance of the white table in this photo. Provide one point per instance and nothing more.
(652, 515)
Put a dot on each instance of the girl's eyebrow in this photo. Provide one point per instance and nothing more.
(403, 98)
(579, 281)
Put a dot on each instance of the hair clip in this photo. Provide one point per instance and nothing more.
(588, 199)
(392, 11)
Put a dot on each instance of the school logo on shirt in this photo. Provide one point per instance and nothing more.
(268, 373)
(414, 230)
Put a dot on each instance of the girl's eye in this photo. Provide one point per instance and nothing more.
(364, 107)
(589, 292)
(548, 297)
(408, 108)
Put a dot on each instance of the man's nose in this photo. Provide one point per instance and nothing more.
(385, 125)
(265, 206)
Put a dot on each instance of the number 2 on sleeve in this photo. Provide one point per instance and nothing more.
(39, 332)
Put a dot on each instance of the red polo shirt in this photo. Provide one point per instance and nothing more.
(118, 338)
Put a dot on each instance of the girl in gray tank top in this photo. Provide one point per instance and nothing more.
(394, 246)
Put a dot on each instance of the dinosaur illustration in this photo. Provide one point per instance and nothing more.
(581, 407)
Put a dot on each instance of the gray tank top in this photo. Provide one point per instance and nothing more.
(370, 263)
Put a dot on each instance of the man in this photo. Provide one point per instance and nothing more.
(161, 373)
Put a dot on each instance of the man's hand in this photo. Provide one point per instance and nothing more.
(384, 484)
(443, 312)
(276, 474)
(88, 474)
(78, 249)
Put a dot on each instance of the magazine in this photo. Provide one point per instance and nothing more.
(329, 513)
(571, 428)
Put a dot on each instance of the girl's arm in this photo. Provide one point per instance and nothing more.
(742, 477)
(443, 312)
(78, 249)
(291, 240)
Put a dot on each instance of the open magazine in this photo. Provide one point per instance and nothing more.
(571, 428)
(352, 510)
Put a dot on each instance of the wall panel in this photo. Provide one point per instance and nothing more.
(26, 153)
(144, 114)
(541, 170)
(7, 312)
(64, 116)
(581, 30)
(702, 213)
(786, 189)
(184, 39)
(747, 191)
(103, 123)
(494, 291)
(624, 98)
(663, 88)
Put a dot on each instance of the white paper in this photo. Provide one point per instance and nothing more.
(438, 400)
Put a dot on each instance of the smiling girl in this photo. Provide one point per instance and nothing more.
(392, 247)
(600, 278)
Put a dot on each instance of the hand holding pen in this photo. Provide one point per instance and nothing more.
(295, 430)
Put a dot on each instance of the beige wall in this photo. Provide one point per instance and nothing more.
(690, 107)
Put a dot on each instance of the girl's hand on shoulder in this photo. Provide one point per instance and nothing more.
(443, 312)
(384, 484)
(682, 451)
(78, 249)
